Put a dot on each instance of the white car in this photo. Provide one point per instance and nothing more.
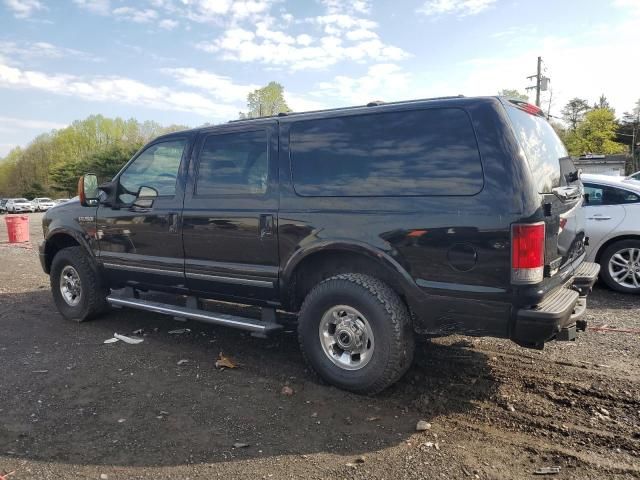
(42, 204)
(612, 216)
(19, 205)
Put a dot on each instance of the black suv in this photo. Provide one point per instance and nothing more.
(438, 216)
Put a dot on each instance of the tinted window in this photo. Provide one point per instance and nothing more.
(542, 148)
(156, 167)
(233, 163)
(603, 195)
(422, 152)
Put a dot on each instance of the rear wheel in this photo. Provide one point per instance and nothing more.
(355, 332)
(620, 266)
(76, 286)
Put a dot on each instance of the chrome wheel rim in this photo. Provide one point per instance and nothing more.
(346, 337)
(624, 267)
(70, 287)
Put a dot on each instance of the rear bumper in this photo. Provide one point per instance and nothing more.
(559, 314)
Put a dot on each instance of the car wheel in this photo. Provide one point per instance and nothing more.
(76, 285)
(355, 333)
(620, 266)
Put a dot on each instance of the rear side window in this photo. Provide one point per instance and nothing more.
(420, 152)
(604, 195)
(548, 158)
(233, 164)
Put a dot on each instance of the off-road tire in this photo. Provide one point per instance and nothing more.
(604, 265)
(93, 299)
(390, 322)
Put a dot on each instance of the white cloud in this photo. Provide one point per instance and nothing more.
(117, 89)
(135, 15)
(168, 24)
(385, 81)
(361, 34)
(218, 10)
(24, 8)
(101, 7)
(21, 123)
(460, 8)
(304, 39)
(569, 64)
(29, 50)
(632, 5)
(218, 86)
(352, 6)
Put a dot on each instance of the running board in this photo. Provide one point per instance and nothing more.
(256, 327)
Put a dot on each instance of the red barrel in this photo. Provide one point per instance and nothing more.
(17, 228)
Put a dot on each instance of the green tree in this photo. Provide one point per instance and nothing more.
(595, 134)
(574, 111)
(629, 131)
(603, 103)
(513, 93)
(266, 101)
(54, 161)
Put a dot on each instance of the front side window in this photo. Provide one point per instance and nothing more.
(604, 195)
(156, 167)
(402, 153)
(233, 164)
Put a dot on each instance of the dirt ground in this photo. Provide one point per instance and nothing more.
(72, 407)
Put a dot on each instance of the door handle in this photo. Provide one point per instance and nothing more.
(173, 222)
(266, 226)
(599, 217)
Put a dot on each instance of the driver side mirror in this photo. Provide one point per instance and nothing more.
(88, 190)
(145, 197)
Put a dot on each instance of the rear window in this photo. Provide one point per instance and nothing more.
(421, 152)
(542, 148)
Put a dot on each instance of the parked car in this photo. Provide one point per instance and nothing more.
(3, 203)
(19, 205)
(372, 223)
(42, 204)
(613, 225)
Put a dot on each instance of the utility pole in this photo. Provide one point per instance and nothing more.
(541, 82)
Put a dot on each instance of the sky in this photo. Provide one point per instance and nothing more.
(194, 61)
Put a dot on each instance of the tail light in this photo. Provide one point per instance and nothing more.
(527, 253)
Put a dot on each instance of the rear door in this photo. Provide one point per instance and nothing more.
(605, 211)
(230, 213)
(556, 181)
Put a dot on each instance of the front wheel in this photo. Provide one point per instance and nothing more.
(355, 333)
(76, 285)
(620, 266)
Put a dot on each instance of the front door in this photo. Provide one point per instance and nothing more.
(142, 245)
(230, 214)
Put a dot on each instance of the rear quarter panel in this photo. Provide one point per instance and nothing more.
(455, 250)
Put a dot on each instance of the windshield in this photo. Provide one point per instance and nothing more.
(543, 149)
(21, 200)
(45, 200)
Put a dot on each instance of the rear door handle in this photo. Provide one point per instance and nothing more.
(173, 222)
(266, 226)
(599, 218)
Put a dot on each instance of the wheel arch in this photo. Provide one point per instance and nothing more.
(613, 240)
(59, 239)
(309, 266)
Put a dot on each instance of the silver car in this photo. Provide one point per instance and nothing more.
(612, 216)
(42, 204)
(19, 205)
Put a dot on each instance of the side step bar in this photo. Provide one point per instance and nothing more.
(256, 327)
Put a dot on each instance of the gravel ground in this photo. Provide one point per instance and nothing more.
(72, 407)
